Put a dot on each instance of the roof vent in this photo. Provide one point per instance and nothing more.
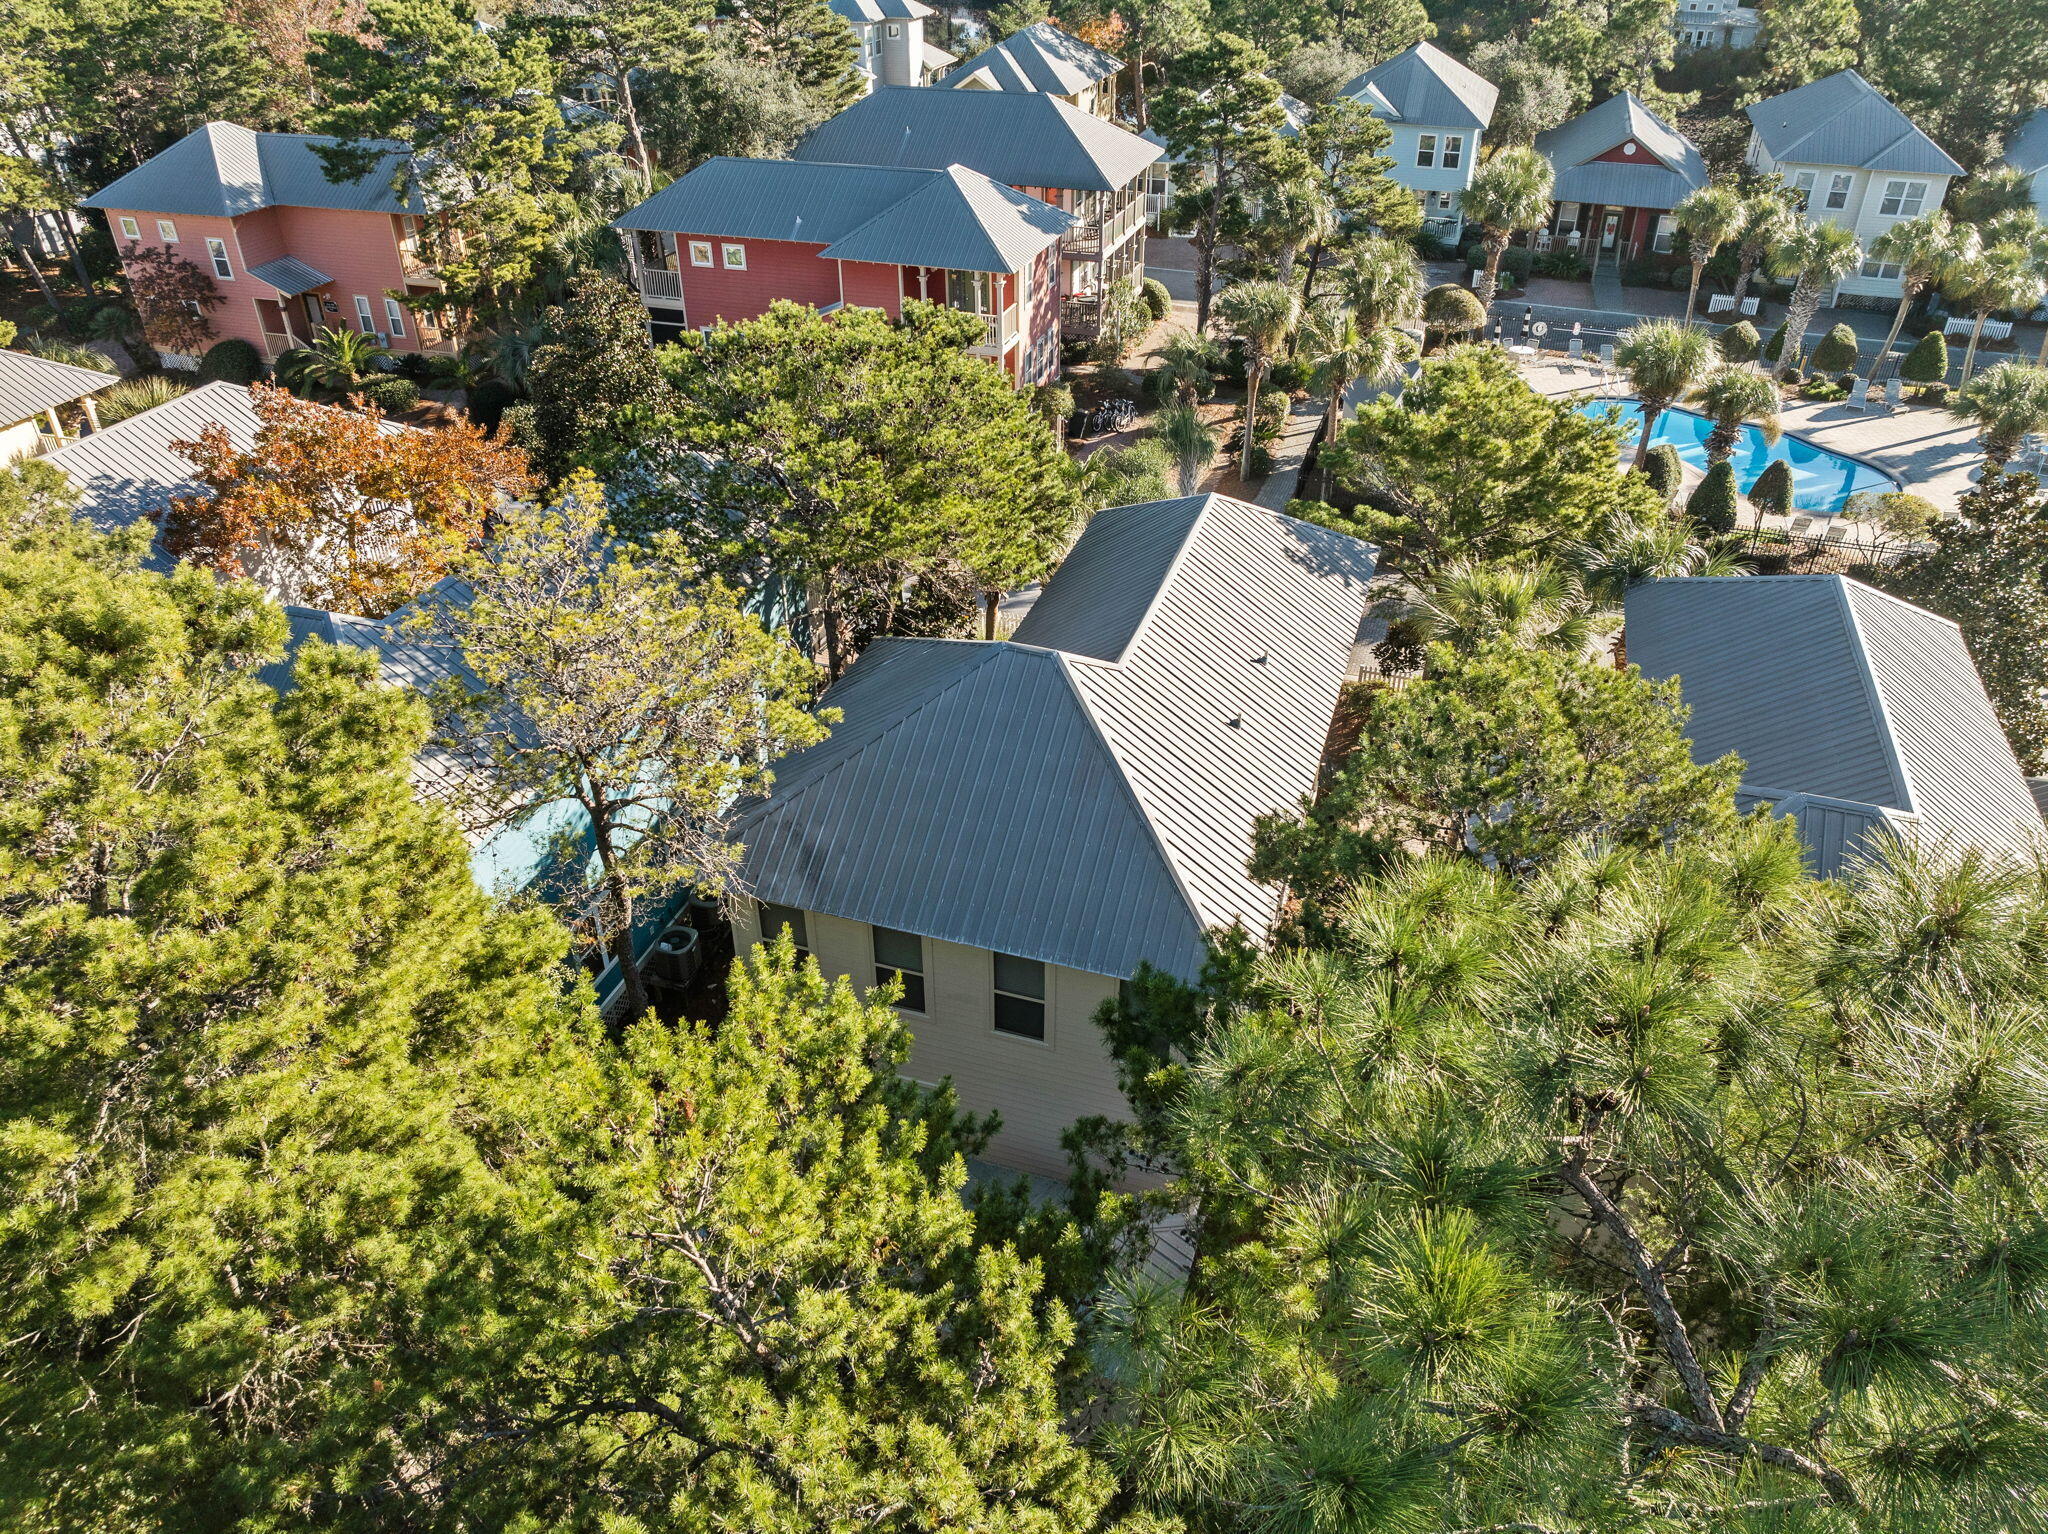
(1235, 721)
(1261, 658)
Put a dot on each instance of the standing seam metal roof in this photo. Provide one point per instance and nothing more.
(1845, 704)
(880, 10)
(1042, 57)
(1084, 793)
(1842, 120)
(2027, 149)
(223, 170)
(960, 220)
(1425, 85)
(29, 385)
(1018, 138)
(1678, 166)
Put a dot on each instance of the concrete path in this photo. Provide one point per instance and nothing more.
(1607, 292)
(1289, 451)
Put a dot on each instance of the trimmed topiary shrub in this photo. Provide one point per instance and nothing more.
(1158, 302)
(1836, 351)
(232, 361)
(1774, 349)
(392, 394)
(1927, 362)
(1665, 471)
(1772, 492)
(1448, 312)
(1740, 342)
(1272, 415)
(1711, 508)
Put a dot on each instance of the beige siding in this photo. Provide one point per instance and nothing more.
(1038, 1088)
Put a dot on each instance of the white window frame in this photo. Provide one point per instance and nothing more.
(1802, 183)
(1903, 199)
(366, 318)
(700, 253)
(885, 972)
(895, 29)
(394, 317)
(1660, 236)
(1883, 271)
(130, 229)
(1452, 156)
(217, 252)
(1425, 151)
(1839, 186)
(1043, 1001)
(732, 256)
(167, 231)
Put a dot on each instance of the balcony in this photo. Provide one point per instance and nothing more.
(1003, 330)
(1084, 240)
(660, 283)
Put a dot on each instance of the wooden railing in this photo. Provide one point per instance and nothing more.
(658, 282)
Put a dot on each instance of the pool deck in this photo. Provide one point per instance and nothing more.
(1929, 452)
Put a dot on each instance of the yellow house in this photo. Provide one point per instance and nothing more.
(33, 392)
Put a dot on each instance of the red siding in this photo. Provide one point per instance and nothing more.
(775, 269)
(873, 285)
(1042, 305)
(1619, 155)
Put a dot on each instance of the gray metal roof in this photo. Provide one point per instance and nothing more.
(1019, 138)
(1845, 704)
(1084, 793)
(936, 57)
(1842, 120)
(1042, 57)
(1425, 85)
(1668, 164)
(880, 10)
(2027, 149)
(222, 170)
(29, 385)
(290, 276)
(960, 220)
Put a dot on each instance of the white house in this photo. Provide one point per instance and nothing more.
(1438, 110)
(2027, 152)
(889, 35)
(1856, 160)
(1013, 827)
(1715, 24)
(1048, 59)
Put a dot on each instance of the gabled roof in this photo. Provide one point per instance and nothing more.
(1842, 120)
(1850, 708)
(223, 170)
(1042, 57)
(960, 220)
(1019, 138)
(1426, 86)
(1083, 793)
(2027, 149)
(29, 385)
(1667, 163)
(936, 57)
(862, 11)
(951, 217)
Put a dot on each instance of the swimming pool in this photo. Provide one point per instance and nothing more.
(1822, 482)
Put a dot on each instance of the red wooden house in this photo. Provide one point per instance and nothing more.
(1620, 170)
(733, 236)
(289, 250)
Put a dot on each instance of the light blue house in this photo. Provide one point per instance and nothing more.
(1439, 111)
(2027, 152)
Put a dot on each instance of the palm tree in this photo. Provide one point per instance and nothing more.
(1260, 314)
(1384, 285)
(339, 359)
(2007, 402)
(1510, 191)
(1730, 397)
(1988, 279)
(1293, 215)
(1189, 442)
(1342, 351)
(1922, 248)
(1818, 256)
(1535, 604)
(1663, 361)
(1187, 365)
(1766, 223)
(1710, 216)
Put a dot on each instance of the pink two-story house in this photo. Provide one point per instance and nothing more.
(733, 236)
(289, 250)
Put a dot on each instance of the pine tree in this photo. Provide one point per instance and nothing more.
(594, 365)
(804, 39)
(284, 1093)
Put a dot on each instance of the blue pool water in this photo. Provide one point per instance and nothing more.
(1822, 482)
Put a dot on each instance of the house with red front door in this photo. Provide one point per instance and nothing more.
(289, 250)
(1620, 169)
(734, 236)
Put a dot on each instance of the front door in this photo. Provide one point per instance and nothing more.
(1610, 226)
(312, 303)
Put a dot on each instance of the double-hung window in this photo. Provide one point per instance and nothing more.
(1425, 149)
(900, 956)
(1903, 199)
(775, 919)
(1887, 270)
(394, 317)
(366, 322)
(1454, 150)
(167, 231)
(1802, 184)
(1019, 997)
(217, 252)
(1838, 190)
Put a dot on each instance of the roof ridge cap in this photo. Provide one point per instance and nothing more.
(1874, 687)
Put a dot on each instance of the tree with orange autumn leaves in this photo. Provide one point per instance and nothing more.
(335, 507)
